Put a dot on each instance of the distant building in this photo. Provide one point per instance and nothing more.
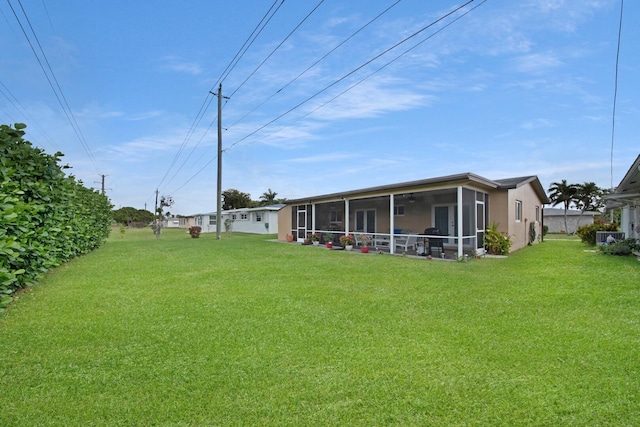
(554, 219)
(260, 220)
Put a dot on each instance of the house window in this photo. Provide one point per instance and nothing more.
(233, 217)
(199, 221)
(335, 217)
(537, 213)
(212, 220)
(243, 216)
(518, 211)
(398, 210)
(258, 216)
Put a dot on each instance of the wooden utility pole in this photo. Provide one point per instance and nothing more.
(219, 192)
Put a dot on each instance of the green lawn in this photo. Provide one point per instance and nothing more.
(244, 332)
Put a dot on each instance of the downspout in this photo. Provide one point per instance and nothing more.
(313, 217)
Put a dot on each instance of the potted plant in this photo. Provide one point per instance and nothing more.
(328, 239)
(195, 231)
(365, 239)
(346, 240)
(289, 238)
(315, 238)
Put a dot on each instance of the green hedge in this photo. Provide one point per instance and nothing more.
(46, 217)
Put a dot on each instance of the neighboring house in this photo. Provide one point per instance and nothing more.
(554, 219)
(403, 211)
(626, 196)
(179, 222)
(260, 220)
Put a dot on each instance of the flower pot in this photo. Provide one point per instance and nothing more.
(329, 245)
(348, 247)
(364, 249)
(316, 243)
(289, 238)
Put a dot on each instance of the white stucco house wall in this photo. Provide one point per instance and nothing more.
(260, 220)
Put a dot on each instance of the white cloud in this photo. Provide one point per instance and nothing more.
(177, 64)
(537, 63)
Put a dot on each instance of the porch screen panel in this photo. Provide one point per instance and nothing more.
(371, 221)
(468, 212)
(480, 212)
(294, 223)
(359, 221)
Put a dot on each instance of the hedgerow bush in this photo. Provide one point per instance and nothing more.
(46, 217)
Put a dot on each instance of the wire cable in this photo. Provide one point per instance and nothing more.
(314, 64)
(354, 85)
(208, 99)
(615, 90)
(59, 94)
(350, 73)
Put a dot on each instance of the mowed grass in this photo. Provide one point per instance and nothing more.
(244, 331)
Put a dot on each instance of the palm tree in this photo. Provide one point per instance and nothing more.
(268, 197)
(588, 198)
(561, 192)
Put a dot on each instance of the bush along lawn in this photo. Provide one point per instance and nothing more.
(245, 331)
(46, 218)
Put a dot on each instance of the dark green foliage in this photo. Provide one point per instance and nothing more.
(545, 230)
(133, 217)
(496, 242)
(46, 217)
(623, 247)
(587, 233)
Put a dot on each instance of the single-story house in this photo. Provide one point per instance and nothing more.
(179, 222)
(626, 196)
(458, 208)
(554, 219)
(260, 220)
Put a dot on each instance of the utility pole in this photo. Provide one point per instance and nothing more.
(103, 189)
(155, 211)
(219, 192)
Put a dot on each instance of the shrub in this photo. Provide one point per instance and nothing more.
(587, 233)
(623, 247)
(496, 242)
(195, 231)
(46, 218)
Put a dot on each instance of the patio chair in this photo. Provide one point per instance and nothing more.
(405, 243)
(434, 242)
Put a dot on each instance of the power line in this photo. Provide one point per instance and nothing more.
(315, 63)
(615, 90)
(208, 99)
(351, 73)
(18, 106)
(383, 66)
(276, 48)
(251, 74)
(357, 83)
(59, 94)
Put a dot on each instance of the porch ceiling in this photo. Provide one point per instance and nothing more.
(450, 181)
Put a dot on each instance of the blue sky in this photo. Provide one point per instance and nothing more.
(509, 89)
